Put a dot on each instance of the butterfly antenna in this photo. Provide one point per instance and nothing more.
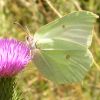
(25, 29)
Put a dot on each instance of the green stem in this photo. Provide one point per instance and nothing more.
(8, 90)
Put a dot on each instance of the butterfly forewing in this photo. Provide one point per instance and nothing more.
(76, 27)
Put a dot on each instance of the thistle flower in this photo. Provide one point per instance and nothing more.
(14, 55)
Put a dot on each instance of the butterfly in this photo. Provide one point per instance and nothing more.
(60, 48)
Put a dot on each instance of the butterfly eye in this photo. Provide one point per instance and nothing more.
(27, 38)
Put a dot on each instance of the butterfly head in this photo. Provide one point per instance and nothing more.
(29, 38)
(30, 41)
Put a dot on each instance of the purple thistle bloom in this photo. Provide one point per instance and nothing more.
(14, 55)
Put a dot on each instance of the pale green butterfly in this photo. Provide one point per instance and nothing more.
(60, 48)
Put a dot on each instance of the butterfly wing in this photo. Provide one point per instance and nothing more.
(63, 54)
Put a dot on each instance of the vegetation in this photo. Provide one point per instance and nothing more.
(34, 14)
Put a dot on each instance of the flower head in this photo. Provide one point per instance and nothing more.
(14, 55)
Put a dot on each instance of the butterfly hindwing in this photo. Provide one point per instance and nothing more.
(62, 66)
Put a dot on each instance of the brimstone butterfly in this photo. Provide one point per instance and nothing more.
(60, 48)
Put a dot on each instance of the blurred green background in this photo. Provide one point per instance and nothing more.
(34, 14)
